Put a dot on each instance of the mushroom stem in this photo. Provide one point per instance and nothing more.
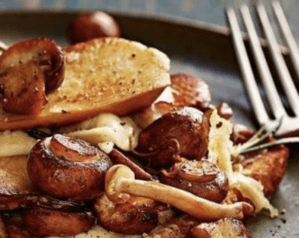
(120, 184)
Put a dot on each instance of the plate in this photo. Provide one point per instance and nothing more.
(198, 48)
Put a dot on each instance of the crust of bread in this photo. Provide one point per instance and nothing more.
(101, 75)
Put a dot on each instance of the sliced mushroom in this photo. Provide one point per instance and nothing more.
(120, 184)
(14, 225)
(188, 126)
(15, 185)
(178, 227)
(68, 168)
(226, 227)
(3, 233)
(200, 178)
(28, 71)
(42, 222)
(136, 216)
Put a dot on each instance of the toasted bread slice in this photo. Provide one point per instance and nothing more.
(101, 75)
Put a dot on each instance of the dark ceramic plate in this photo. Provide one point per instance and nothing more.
(194, 47)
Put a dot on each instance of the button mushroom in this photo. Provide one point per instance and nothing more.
(189, 126)
(41, 222)
(136, 216)
(190, 91)
(93, 25)
(28, 71)
(226, 227)
(120, 184)
(201, 178)
(68, 168)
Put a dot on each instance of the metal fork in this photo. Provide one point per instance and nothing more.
(287, 124)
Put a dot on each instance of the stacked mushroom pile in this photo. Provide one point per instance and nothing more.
(66, 185)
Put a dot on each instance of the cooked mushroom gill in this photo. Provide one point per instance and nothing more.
(68, 168)
(120, 184)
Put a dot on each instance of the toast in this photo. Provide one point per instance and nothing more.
(101, 75)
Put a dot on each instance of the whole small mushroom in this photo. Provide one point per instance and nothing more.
(68, 168)
(93, 25)
(187, 126)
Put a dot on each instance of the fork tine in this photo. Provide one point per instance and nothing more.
(284, 74)
(264, 71)
(250, 84)
(287, 33)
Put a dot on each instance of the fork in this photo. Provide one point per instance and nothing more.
(283, 122)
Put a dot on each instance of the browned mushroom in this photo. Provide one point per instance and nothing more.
(14, 226)
(225, 111)
(190, 91)
(136, 216)
(93, 25)
(15, 185)
(120, 184)
(42, 222)
(119, 158)
(15, 231)
(241, 134)
(188, 126)
(3, 233)
(226, 227)
(28, 71)
(68, 168)
(178, 227)
(200, 178)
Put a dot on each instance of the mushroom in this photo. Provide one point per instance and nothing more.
(29, 70)
(91, 25)
(136, 216)
(65, 168)
(120, 183)
(119, 158)
(190, 91)
(41, 222)
(189, 126)
(201, 178)
(226, 227)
